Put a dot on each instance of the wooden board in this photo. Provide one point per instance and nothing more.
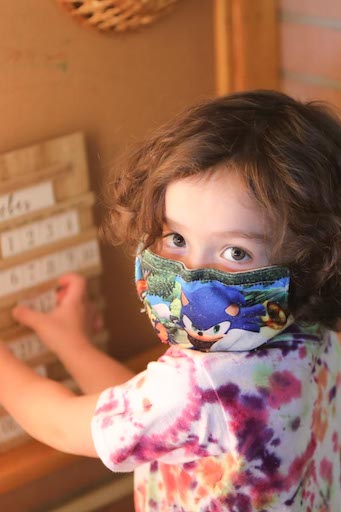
(46, 229)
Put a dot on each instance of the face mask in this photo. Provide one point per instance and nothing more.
(211, 310)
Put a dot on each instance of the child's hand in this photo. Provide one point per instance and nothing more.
(72, 321)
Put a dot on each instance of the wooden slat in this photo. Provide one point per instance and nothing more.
(54, 155)
(255, 29)
(29, 462)
(223, 46)
(246, 45)
(100, 497)
(78, 476)
(50, 172)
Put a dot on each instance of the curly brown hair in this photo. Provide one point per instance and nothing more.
(289, 154)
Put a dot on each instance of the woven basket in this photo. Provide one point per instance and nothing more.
(117, 15)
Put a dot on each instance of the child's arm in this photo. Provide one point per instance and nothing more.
(45, 409)
(65, 332)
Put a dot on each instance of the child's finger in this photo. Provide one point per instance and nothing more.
(72, 287)
(28, 317)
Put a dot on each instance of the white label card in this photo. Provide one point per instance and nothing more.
(40, 233)
(26, 200)
(27, 347)
(43, 302)
(49, 267)
(9, 429)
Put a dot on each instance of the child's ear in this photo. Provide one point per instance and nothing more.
(184, 300)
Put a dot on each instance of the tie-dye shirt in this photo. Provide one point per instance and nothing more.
(231, 431)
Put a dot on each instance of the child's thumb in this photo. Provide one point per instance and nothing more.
(28, 317)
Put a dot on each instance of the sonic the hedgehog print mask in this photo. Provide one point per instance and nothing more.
(212, 310)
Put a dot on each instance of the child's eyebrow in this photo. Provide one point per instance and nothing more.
(250, 235)
(246, 234)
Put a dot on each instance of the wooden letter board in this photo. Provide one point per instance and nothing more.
(46, 229)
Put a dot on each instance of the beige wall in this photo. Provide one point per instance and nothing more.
(310, 49)
(58, 77)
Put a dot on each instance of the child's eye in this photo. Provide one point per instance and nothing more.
(175, 240)
(236, 254)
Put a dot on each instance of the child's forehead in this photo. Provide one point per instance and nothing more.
(220, 183)
(219, 202)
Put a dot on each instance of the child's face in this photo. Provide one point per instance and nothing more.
(213, 221)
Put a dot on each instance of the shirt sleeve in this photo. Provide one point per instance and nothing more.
(156, 415)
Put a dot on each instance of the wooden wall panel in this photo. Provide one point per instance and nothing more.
(58, 77)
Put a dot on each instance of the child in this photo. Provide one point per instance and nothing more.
(227, 204)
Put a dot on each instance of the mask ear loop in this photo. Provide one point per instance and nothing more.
(139, 249)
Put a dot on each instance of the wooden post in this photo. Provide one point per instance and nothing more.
(223, 46)
(246, 45)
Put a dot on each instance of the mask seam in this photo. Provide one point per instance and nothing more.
(269, 281)
(175, 272)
